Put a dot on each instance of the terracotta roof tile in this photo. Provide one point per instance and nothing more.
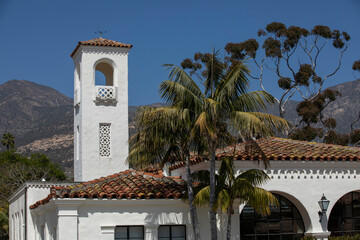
(130, 184)
(279, 149)
(101, 42)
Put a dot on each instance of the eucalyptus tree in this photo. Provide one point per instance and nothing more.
(245, 187)
(295, 56)
(220, 105)
(164, 136)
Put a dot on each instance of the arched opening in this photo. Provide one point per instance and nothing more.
(284, 222)
(104, 74)
(345, 215)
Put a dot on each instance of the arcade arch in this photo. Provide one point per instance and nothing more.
(284, 222)
(344, 217)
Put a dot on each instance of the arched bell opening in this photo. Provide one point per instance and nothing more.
(285, 222)
(104, 74)
(106, 89)
(344, 217)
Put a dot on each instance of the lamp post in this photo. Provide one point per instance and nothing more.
(324, 204)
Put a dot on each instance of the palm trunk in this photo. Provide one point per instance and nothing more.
(228, 228)
(193, 212)
(212, 212)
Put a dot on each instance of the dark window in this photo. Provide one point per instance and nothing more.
(345, 215)
(283, 223)
(172, 232)
(129, 232)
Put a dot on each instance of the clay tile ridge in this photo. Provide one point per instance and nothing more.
(102, 42)
(121, 185)
(285, 150)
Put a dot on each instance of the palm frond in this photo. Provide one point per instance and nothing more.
(203, 125)
(252, 101)
(178, 75)
(177, 94)
(202, 197)
(273, 122)
(249, 123)
(202, 177)
(255, 177)
(215, 70)
(233, 85)
(223, 200)
(261, 200)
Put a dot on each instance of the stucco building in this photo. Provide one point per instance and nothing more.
(108, 201)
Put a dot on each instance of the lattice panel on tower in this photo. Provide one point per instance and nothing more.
(104, 147)
(106, 93)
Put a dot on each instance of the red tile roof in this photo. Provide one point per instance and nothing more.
(130, 184)
(278, 149)
(101, 42)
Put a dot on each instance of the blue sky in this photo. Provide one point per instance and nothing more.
(38, 36)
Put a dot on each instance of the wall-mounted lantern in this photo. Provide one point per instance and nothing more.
(324, 204)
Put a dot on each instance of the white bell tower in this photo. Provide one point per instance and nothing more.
(101, 109)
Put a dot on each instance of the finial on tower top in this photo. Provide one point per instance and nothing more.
(101, 32)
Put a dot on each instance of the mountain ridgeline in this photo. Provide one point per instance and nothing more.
(41, 118)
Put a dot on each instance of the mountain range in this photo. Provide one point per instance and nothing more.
(41, 118)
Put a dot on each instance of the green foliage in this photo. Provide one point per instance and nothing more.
(306, 134)
(355, 136)
(240, 50)
(272, 48)
(15, 170)
(303, 75)
(355, 237)
(356, 65)
(209, 116)
(285, 48)
(4, 224)
(311, 113)
(229, 187)
(332, 137)
(284, 83)
(330, 123)
(275, 27)
(8, 141)
(308, 238)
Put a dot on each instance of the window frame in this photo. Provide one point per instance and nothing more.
(269, 221)
(170, 226)
(128, 232)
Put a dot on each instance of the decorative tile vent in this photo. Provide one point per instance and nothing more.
(76, 97)
(106, 93)
(104, 137)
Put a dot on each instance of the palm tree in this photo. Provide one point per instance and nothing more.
(8, 141)
(229, 187)
(164, 135)
(224, 106)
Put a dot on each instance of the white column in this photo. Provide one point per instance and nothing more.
(107, 232)
(235, 226)
(67, 222)
(151, 232)
(190, 231)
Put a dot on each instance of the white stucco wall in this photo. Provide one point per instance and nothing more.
(96, 219)
(89, 113)
(303, 183)
(24, 222)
